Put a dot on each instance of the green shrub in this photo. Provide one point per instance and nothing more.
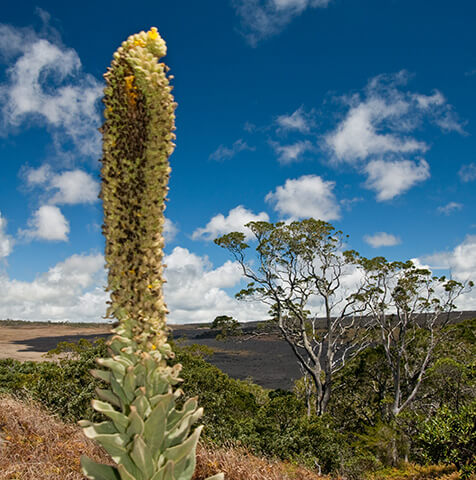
(64, 387)
(270, 423)
(450, 437)
(228, 326)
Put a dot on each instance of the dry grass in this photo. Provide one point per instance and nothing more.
(411, 471)
(35, 445)
(238, 464)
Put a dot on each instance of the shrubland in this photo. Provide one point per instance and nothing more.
(357, 437)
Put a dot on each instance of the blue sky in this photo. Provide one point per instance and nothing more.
(358, 113)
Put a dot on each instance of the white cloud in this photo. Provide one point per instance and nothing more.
(358, 136)
(382, 239)
(195, 290)
(170, 230)
(379, 130)
(461, 262)
(12, 40)
(450, 208)
(38, 176)
(304, 197)
(47, 223)
(225, 153)
(74, 187)
(392, 178)
(291, 153)
(71, 290)
(426, 101)
(71, 187)
(467, 173)
(45, 84)
(234, 222)
(262, 19)
(6, 241)
(299, 121)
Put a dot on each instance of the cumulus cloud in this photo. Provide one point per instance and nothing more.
(299, 121)
(47, 223)
(461, 262)
(261, 19)
(467, 173)
(291, 153)
(304, 197)
(225, 153)
(392, 178)
(357, 137)
(74, 187)
(38, 176)
(69, 188)
(382, 239)
(6, 241)
(380, 128)
(235, 221)
(45, 84)
(71, 290)
(381, 120)
(195, 291)
(450, 208)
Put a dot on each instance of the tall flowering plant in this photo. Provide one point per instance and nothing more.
(145, 434)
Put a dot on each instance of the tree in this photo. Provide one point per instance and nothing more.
(410, 308)
(228, 326)
(299, 267)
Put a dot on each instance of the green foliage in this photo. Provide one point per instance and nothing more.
(387, 442)
(364, 387)
(410, 307)
(65, 387)
(354, 437)
(450, 437)
(228, 326)
(450, 382)
(236, 412)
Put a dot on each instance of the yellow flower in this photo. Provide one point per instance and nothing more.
(153, 33)
(129, 82)
(139, 43)
(130, 87)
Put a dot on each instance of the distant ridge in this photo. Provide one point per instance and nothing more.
(457, 316)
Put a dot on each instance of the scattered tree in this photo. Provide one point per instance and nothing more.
(300, 267)
(410, 308)
(228, 326)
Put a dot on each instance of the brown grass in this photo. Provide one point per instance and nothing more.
(237, 464)
(35, 445)
(420, 472)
